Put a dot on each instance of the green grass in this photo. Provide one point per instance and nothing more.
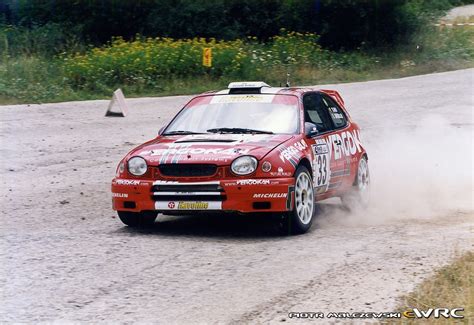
(95, 74)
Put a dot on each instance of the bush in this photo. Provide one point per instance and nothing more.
(148, 60)
(342, 24)
(32, 78)
(44, 40)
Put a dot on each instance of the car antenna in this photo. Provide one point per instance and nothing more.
(287, 80)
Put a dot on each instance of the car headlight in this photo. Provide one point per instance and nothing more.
(137, 166)
(244, 165)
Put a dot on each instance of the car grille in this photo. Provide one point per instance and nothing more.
(188, 192)
(187, 170)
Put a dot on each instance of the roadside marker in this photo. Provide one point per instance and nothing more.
(118, 98)
(207, 57)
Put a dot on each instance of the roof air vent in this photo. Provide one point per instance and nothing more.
(246, 87)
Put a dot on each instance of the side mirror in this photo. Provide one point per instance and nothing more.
(161, 130)
(310, 129)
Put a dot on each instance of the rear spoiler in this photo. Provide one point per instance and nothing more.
(334, 94)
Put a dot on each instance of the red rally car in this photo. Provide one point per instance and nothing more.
(247, 149)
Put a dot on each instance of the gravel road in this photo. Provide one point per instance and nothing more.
(64, 257)
(460, 12)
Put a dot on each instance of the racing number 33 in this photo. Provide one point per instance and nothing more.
(321, 165)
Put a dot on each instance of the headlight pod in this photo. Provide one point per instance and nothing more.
(244, 165)
(137, 166)
(120, 169)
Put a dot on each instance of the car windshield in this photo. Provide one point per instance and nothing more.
(238, 114)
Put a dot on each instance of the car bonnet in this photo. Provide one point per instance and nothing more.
(218, 149)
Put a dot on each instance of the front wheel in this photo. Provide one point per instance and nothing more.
(359, 195)
(299, 220)
(137, 219)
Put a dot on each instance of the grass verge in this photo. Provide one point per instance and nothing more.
(451, 287)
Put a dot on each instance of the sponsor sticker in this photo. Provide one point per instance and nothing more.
(161, 182)
(280, 172)
(119, 195)
(127, 182)
(269, 195)
(344, 144)
(320, 149)
(292, 152)
(188, 205)
(194, 151)
(193, 205)
(253, 182)
(242, 99)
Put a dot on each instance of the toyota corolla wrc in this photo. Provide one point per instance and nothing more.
(247, 149)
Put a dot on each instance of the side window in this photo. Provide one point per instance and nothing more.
(315, 112)
(335, 112)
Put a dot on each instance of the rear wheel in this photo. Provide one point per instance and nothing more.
(137, 219)
(359, 196)
(300, 219)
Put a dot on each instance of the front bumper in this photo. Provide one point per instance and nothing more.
(233, 195)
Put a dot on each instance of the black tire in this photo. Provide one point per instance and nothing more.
(300, 219)
(358, 198)
(137, 219)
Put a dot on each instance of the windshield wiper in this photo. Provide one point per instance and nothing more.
(181, 132)
(238, 130)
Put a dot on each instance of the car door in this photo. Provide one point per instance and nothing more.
(322, 144)
(339, 137)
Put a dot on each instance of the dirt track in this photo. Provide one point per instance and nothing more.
(65, 258)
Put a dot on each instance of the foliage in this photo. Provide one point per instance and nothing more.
(342, 24)
(44, 56)
(148, 61)
(31, 78)
(48, 39)
(153, 66)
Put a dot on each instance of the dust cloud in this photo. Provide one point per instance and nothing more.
(417, 172)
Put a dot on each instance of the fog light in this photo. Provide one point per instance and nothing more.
(266, 166)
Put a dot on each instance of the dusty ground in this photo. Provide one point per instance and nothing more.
(65, 258)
